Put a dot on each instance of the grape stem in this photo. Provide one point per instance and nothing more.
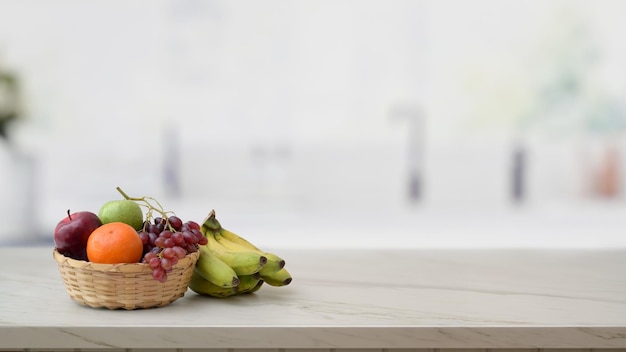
(158, 208)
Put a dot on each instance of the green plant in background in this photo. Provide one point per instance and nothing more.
(606, 115)
(569, 99)
(564, 83)
(9, 101)
(545, 84)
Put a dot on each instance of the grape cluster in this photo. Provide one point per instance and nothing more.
(167, 240)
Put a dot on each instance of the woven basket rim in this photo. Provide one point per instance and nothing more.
(121, 267)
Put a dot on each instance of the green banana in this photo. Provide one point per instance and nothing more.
(279, 278)
(248, 282)
(274, 262)
(201, 286)
(213, 269)
(204, 287)
(254, 289)
(211, 222)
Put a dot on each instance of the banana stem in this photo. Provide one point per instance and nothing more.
(211, 222)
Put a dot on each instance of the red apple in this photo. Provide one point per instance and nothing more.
(72, 233)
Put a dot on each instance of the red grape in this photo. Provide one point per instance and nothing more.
(189, 237)
(165, 246)
(160, 242)
(145, 238)
(159, 274)
(153, 229)
(175, 222)
(178, 237)
(193, 225)
(154, 262)
(166, 264)
(169, 253)
(180, 252)
(149, 256)
(153, 237)
(174, 260)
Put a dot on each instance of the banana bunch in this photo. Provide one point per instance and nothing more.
(230, 265)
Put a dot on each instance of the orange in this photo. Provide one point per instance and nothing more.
(113, 243)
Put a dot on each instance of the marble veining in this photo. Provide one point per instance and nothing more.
(386, 299)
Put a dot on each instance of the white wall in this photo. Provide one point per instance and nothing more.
(285, 105)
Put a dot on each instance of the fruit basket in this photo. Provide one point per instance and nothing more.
(123, 286)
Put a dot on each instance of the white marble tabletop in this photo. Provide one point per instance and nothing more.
(346, 299)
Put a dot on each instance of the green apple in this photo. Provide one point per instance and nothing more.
(122, 210)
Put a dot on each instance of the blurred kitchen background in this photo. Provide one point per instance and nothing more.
(321, 123)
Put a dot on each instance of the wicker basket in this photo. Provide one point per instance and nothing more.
(123, 286)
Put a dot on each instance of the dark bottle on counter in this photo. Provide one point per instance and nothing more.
(518, 174)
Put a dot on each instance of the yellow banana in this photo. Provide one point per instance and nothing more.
(233, 237)
(274, 262)
(236, 252)
(213, 269)
(278, 278)
(242, 262)
(213, 225)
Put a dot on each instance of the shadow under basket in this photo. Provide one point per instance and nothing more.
(123, 286)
